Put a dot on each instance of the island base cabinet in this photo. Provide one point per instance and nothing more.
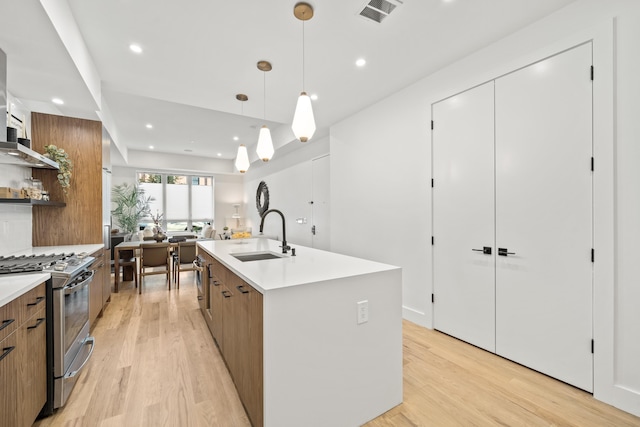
(291, 333)
(237, 316)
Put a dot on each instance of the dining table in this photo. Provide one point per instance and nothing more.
(134, 245)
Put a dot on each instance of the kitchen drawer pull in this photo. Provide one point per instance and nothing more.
(216, 283)
(485, 250)
(226, 294)
(6, 351)
(242, 289)
(38, 301)
(505, 252)
(6, 323)
(38, 323)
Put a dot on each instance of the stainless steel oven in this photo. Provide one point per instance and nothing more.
(69, 345)
(72, 345)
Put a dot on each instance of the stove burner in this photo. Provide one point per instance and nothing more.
(31, 263)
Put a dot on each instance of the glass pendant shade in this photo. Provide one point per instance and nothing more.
(265, 144)
(242, 159)
(304, 125)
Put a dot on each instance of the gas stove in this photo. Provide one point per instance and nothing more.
(62, 267)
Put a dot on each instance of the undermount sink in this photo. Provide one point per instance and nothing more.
(255, 256)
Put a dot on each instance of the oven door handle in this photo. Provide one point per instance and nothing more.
(69, 289)
(197, 266)
(88, 340)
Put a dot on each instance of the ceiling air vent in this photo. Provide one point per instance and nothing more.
(377, 10)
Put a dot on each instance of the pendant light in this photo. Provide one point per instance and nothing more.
(242, 158)
(304, 124)
(265, 144)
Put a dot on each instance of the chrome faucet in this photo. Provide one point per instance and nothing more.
(285, 247)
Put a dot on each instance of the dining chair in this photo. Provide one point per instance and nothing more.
(152, 257)
(127, 260)
(185, 254)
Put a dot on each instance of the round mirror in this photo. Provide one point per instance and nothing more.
(262, 198)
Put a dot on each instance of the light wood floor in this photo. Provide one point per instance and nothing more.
(155, 364)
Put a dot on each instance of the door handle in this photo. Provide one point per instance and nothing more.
(485, 250)
(505, 252)
(313, 230)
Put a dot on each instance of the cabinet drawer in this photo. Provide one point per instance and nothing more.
(9, 318)
(32, 302)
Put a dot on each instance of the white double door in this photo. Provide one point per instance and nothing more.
(512, 216)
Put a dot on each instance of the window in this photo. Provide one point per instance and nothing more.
(186, 201)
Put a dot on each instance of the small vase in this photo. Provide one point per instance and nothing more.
(159, 236)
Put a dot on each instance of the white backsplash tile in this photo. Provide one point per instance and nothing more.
(15, 221)
(15, 228)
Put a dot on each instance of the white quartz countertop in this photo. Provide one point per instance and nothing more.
(308, 266)
(11, 287)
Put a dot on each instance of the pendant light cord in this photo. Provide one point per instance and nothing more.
(264, 102)
(303, 56)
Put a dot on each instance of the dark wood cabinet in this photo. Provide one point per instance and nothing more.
(237, 319)
(96, 288)
(80, 221)
(32, 386)
(23, 359)
(9, 381)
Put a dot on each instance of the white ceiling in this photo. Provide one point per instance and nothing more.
(198, 54)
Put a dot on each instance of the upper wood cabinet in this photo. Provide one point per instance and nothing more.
(80, 222)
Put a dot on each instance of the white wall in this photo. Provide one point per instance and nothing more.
(381, 171)
(289, 179)
(15, 221)
(228, 189)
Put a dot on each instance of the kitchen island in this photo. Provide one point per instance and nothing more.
(324, 329)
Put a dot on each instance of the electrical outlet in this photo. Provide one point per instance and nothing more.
(363, 312)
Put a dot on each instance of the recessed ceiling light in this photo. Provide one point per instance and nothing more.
(192, 142)
(57, 101)
(219, 154)
(361, 62)
(149, 126)
(135, 48)
(235, 138)
(151, 147)
(314, 97)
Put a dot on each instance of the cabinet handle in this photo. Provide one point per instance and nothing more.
(485, 250)
(216, 283)
(38, 323)
(242, 289)
(6, 323)
(226, 294)
(6, 351)
(505, 252)
(38, 301)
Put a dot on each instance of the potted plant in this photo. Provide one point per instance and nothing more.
(59, 156)
(131, 207)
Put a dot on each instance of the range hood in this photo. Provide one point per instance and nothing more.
(17, 154)
(13, 152)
